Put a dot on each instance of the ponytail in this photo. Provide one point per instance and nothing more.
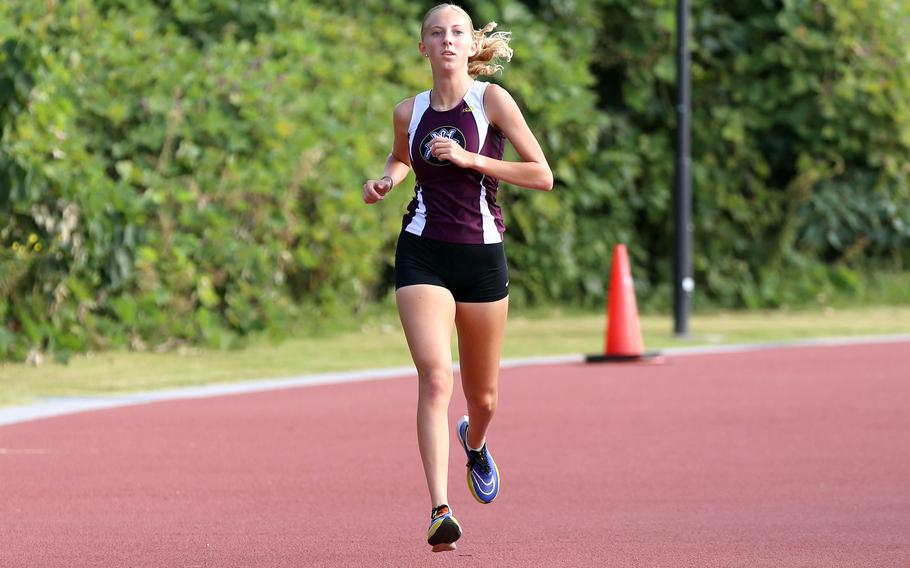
(490, 49)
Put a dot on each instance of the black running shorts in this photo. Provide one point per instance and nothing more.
(473, 273)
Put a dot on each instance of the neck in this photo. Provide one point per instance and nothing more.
(449, 90)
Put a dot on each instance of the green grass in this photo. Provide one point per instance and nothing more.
(380, 343)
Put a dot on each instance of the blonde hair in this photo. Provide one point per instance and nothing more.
(490, 48)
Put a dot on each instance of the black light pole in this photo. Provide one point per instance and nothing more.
(682, 194)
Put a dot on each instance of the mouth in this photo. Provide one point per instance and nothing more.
(448, 53)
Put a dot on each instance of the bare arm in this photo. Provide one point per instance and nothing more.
(532, 171)
(398, 164)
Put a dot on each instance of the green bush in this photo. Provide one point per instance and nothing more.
(189, 171)
(800, 137)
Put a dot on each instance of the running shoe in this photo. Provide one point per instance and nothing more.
(444, 529)
(483, 475)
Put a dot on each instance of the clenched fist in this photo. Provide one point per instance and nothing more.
(376, 189)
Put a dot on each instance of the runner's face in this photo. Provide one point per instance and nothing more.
(447, 39)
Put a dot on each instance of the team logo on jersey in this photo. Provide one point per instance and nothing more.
(446, 132)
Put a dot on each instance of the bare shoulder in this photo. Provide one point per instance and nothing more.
(403, 110)
(497, 96)
(499, 104)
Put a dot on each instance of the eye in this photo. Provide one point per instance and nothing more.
(459, 32)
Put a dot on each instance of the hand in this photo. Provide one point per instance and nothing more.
(448, 149)
(376, 189)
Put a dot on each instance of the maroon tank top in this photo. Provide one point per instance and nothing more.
(450, 203)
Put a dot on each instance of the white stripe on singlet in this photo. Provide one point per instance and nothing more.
(421, 104)
(490, 233)
(474, 98)
(420, 215)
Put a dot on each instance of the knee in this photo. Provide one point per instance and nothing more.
(484, 401)
(436, 386)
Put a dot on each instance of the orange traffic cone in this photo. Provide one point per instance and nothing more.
(623, 336)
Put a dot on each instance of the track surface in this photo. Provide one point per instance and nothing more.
(784, 457)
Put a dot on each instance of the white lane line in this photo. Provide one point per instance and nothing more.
(59, 406)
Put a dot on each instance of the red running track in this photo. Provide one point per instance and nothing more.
(785, 457)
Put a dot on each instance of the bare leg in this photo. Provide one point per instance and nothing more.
(481, 327)
(427, 313)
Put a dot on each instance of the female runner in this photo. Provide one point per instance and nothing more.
(450, 264)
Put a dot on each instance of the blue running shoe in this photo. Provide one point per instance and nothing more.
(444, 529)
(483, 475)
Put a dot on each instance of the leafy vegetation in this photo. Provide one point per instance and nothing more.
(188, 171)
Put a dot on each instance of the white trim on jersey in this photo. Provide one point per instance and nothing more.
(490, 233)
(419, 221)
(474, 98)
(421, 104)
